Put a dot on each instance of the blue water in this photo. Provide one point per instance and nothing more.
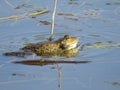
(96, 22)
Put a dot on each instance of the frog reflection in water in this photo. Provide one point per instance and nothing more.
(66, 47)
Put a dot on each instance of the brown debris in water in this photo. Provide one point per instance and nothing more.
(113, 83)
(18, 54)
(65, 14)
(49, 62)
(59, 25)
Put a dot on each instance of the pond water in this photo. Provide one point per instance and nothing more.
(91, 21)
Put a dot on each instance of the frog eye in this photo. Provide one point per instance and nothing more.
(66, 37)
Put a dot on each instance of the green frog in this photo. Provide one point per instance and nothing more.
(66, 46)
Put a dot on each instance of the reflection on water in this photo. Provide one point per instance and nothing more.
(59, 76)
(95, 22)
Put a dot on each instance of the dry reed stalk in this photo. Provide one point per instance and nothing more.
(53, 19)
(23, 15)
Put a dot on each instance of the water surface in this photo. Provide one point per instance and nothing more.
(91, 21)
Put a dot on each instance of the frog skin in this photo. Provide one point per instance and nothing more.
(66, 47)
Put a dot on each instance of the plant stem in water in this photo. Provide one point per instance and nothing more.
(53, 19)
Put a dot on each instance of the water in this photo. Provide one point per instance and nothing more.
(91, 21)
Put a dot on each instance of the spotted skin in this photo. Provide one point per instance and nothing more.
(65, 46)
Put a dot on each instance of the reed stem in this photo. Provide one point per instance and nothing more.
(53, 20)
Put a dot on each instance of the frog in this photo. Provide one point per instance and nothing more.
(66, 46)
